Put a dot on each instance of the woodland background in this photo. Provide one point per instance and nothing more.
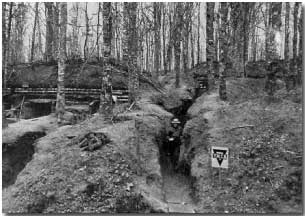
(251, 32)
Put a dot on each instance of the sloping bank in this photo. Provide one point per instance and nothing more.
(122, 176)
(264, 136)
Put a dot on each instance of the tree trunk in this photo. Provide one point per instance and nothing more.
(267, 33)
(40, 51)
(147, 52)
(157, 28)
(192, 49)
(55, 30)
(75, 31)
(186, 36)
(210, 46)
(301, 33)
(274, 24)
(4, 45)
(34, 32)
(7, 43)
(295, 28)
(198, 36)
(106, 90)
(87, 33)
(98, 31)
(217, 30)
(117, 31)
(287, 31)
(164, 38)
(177, 40)
(170, 43)
(223, 51)
(131, 47)
(245, 35)
(60, 102)
(49, 31)
(253, 42)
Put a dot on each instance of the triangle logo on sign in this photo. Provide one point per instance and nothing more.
(219, 155)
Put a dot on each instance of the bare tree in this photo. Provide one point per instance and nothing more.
(55, 30)
(164, 36)
(246, 9)
(178, 16)
(170, 43)
(34, 32)
(86, 49)
(98, 30)
(295, 29)
(7, 43)
(131, 47)
(75, 30)
(186, 33)
(274, 24)
(210, 48)
(106, 90)
(301, 32)
(287, 31)
(223, 50)
(60, 101)
(49, 31)
(157, 28)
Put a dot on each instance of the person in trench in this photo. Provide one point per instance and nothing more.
(172, 147)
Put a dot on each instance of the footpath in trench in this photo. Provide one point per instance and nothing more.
(176, 189)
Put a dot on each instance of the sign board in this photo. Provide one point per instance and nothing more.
(220, 157)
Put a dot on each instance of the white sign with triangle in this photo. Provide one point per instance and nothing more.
(220, 157)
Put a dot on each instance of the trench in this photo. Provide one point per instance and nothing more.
(16, 156)
(177, 181)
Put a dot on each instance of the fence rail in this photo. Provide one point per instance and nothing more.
(121, 94)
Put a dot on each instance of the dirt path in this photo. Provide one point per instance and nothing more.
(176, 188)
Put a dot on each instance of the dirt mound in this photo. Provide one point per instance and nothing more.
(243, 89)
(76, 76)
(264, 137)
(15, 130)
(121, 176)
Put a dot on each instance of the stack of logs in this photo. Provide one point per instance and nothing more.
(93, 141)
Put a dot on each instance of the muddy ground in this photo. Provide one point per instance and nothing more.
(131, 173)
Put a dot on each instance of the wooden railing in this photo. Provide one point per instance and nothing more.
(121, 94)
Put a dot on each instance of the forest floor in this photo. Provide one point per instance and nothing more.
(128, 174)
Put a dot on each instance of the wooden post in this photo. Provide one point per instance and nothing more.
(219, 180)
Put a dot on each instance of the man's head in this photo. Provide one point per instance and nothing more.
(175, 122)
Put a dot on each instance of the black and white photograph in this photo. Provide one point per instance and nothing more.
(152, 107)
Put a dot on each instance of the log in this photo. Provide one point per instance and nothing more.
(83, 143)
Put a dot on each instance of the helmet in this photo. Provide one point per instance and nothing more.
(175, 121)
